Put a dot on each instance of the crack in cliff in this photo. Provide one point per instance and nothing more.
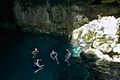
(48, 8)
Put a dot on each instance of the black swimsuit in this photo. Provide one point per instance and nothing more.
(35, 66)
(53, 55)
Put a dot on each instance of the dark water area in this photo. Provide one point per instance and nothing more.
(15, 55)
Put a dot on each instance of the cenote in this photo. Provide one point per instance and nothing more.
(17, 17)
(16, 57)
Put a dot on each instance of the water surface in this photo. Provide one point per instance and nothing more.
(16, 62)
(15, 58)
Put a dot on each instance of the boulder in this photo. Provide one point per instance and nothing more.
(91, 55)
(100, 34)
(95, 52)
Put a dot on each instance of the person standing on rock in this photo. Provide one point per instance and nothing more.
(67, 57)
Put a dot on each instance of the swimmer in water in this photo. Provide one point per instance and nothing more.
(35, 53)
(67, 57)
(54, 56)
(37, 66)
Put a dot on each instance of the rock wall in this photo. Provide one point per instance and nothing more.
(101, 34)
(42, 16)
(98, 45)
(104, 70)
(59, 16)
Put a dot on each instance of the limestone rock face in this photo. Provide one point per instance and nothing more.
(100, 34)
(98, 44)
(59, 16)
(107, 70)
(94, 53)
(41, 16)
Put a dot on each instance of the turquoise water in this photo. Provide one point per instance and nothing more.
(15, 58)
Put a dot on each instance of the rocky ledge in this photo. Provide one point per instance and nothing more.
(98, 45)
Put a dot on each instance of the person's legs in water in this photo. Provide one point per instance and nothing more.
(37, 66)
(40, 68)
(68, 62)
(57, 60)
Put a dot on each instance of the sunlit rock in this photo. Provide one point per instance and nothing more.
(104, 47)
(76, 34)
(99, 47)
(93, 53)
(118, 23)
(100, 34)
(116, 58)
(107, 57)
(117, 48)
